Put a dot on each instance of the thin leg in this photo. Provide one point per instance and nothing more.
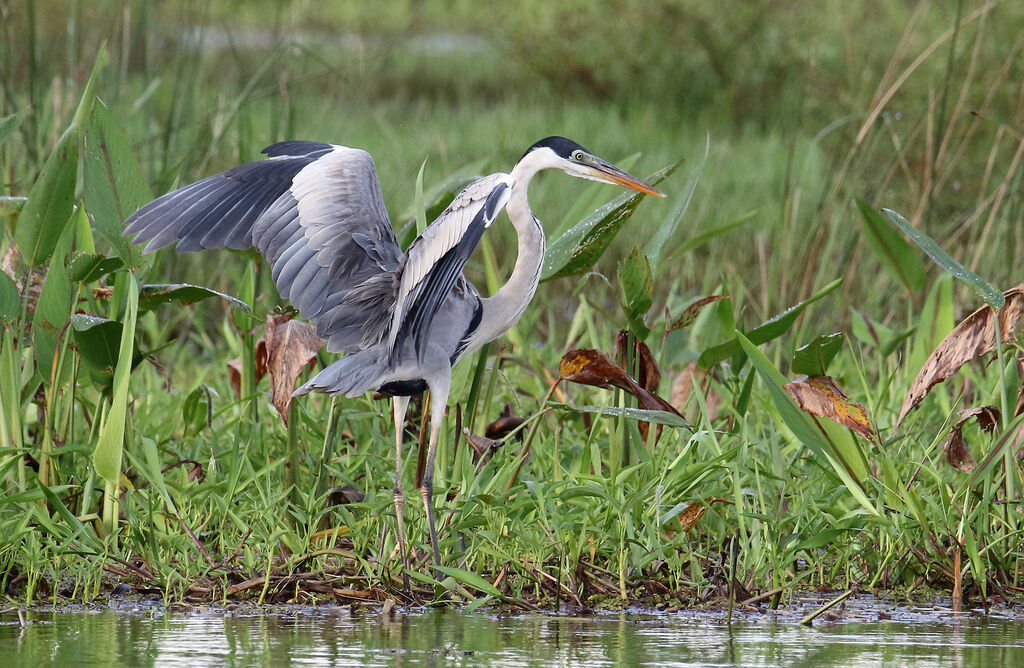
(400, 405)
(438, 401)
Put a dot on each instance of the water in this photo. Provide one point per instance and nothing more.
(339, 637)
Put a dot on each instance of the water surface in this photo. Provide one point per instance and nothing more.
(338, 636)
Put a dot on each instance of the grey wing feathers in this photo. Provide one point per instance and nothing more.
(316, 213)
(221, 210)
(330, 245)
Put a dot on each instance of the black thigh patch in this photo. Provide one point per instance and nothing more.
(403, 388)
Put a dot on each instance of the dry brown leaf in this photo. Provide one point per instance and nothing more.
(819, 395)
(339, 496)
(235, 367)
(973, 337)
(290, 346)
(682, 388)
(1020, 390)
(506, 422)
(648, 374)
(587, 366)
(691, 312)
(483, 447)
(957, 453)
(693, 512)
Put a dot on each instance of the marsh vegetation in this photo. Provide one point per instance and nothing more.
(733, 392)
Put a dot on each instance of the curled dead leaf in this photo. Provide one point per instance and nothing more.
(957, 453)
(694, 511)
(290, 346)
(483, 447)
(819, 395)
(506, 422)
(235, 367)
(648, 374)
(973, 337)
(339, 496)
(587, 366)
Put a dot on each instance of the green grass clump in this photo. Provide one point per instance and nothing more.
(128, 455)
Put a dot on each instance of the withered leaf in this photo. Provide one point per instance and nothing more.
(290, 346)
(587, 366)
(957, 453)
(339, 496)
(235, 367)
(483, 447)
(648, 374)
(819, 395)
(691, 312)
(693, 512)
(973, 337)
(506, 422)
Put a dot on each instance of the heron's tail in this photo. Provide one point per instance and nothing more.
(352, 375)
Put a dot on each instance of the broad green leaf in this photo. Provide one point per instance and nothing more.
(114, 184)
(54, 306)
(11, 205)
(471, 579)
(89, 267)
(813, 358)
(819, 539)
(50, 202)
(99, 341)
(153, 295)
(106, 458)
(576, 251)
(659, 243)
(8, 124)
(897, 256)
(992, 295)
(10, 299)
(51, 198)
(640, 414)
(766, 331)
(637, 290)
(801, 424)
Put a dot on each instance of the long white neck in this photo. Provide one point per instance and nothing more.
(506, 306)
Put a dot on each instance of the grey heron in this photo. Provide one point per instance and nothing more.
(315, 212)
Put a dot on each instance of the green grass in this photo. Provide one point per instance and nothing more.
(206, 505)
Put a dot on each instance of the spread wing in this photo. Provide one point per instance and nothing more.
(435, 260)
(315, 212)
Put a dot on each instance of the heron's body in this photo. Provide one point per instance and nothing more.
(403, 319)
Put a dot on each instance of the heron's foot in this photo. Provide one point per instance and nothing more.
(403, 547)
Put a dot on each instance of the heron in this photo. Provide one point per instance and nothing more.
(403, 319)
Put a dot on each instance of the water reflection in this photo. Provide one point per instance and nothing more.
(338, 637)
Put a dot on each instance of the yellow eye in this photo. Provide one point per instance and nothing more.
(577, 156)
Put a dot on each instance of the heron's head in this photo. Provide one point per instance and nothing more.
(573, 159)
